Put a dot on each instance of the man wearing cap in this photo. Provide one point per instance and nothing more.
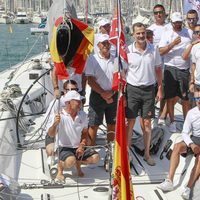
(70, 129)
(190, 144)
(54, 107)
(144, 68)
(176, 72)
(99, 70)
(104, 28)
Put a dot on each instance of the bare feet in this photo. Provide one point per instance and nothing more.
(60, 177)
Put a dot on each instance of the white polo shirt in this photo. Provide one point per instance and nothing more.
(102, 69)
(195, 52)
(191, 124)
(141, 68)
(69, 130)
(158, 30)
(174, 56)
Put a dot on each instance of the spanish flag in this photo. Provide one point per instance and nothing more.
(122, 183)
(78, 44)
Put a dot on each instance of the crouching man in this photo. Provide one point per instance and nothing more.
(71, 130)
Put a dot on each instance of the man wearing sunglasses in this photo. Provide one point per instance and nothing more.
(190, 144)
(176, 73)
(158, 28)
(193, 51)
(192, 19)
(160, 25)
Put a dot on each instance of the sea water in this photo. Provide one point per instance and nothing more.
(15, 46)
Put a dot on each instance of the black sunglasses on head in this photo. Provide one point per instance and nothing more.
(158, 12)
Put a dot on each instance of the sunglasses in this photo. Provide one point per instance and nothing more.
(196, 98)
(191, 19)
(196, 32)
(158, 12)
(76, 89)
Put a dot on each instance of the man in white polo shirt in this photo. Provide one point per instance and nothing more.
(190, 143)
(71, 130)
(144, 63)
(160, 26)
(176, 73)
(99, 70)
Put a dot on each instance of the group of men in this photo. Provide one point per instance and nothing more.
(168, 53)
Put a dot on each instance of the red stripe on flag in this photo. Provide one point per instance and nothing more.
(123, 157)
(114, 36)
(61, 70)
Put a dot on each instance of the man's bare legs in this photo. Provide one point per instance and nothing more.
(110, 132)
(92, 135)
(146, 128)
(129, 130)
(68, 163)
(179, 148)
(185, 107)
(71, 161)
(195, 172)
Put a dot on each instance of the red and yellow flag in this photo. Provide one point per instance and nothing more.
(122, 183)
(117, 37)
(82, 37)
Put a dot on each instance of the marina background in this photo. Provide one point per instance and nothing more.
(15, 46)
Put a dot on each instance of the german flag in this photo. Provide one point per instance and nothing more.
(72, 43)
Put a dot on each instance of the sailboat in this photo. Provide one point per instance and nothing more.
(4, 17)
(26, 91)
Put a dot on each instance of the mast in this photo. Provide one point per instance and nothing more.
(86, 11)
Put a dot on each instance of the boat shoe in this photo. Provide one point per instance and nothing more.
(150, 161)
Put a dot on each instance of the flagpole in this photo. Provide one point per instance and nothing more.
(122, 183)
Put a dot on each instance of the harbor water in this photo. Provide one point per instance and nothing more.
(15, 46)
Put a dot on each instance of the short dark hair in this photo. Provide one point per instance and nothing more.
(138, 24)
(69, 81)
(192, 11)
(149, 32)
(159, 6)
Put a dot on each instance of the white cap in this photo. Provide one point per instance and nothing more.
(102, 38)
(176, 17)
(103, 22)
(72, 95)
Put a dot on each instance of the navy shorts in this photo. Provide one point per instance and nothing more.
(65, 152)
(189, 151)
(49, 140)
(98, 107)
(176, 82)
(140, 101)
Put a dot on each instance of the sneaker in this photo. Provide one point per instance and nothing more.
(161, 121)
(172, 127)
(166, 186)
(186, 193)
(150, 161)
